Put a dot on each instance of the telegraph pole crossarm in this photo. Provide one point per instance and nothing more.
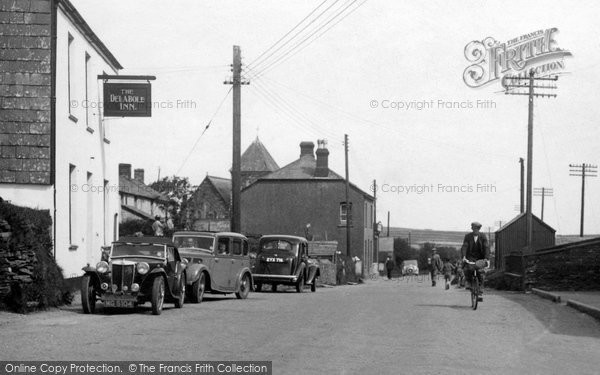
(516, 82)
(583, 170)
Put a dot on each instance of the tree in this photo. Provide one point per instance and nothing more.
(402, 251)
(179, 191)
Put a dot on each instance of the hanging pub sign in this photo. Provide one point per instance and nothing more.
(127, 99)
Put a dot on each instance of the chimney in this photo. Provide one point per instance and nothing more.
(138, 174)
(322, 169)
(125, 170)
(306, 148)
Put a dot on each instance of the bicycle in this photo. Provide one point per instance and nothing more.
(475, 287)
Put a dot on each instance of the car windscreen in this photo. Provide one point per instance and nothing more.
(137, 250)
(410, 263)
(194, 242)
(276, 245)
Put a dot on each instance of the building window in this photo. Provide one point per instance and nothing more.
(87, 89)
(72, 208)
(345, 213)
(71, 81)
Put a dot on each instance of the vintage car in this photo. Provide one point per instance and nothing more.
(283, 259)
(410, 267)
(137, 270)
(218, 262)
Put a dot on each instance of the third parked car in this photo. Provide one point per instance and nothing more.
(283, 259)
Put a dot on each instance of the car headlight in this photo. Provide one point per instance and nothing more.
(102, 267)
(143, 268)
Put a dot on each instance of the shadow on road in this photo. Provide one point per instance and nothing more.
(557, 318)
(455, 307)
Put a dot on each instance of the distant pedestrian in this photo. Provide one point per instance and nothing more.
(389, 266)
(460, 274)
(436, 265)
(158, 226)
(448, 269)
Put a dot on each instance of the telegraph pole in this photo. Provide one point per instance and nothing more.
(388, 225)
(374, 224)
(543, 192)
(514, 82)
(521, 161)
(348, 205)
(236, 174)
(584, 170)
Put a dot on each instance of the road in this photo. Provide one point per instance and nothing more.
(381, 327)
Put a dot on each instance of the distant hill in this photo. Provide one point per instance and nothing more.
(420, 236)
(455, 238)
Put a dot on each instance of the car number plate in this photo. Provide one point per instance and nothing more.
(275, 260)
(118, 303)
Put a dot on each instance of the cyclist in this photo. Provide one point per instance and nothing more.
(475, 247)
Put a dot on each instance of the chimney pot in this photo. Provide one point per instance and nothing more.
(306, 148)
(322, 169)
(138, 174)
(125, 170)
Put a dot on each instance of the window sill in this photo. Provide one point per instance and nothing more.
(344, 225)
(106, 140)
(90, 130)
(73, 118)
(73, 247)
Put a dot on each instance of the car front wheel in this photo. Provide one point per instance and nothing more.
(158, 295)
(244, 287)
(88, 295)
(198, 288)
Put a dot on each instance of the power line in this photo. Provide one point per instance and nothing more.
(583, 170)
(292, 38)
(288, 54)
(286, 34)
(203, 131)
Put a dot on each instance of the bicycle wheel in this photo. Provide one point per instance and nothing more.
(474, 292)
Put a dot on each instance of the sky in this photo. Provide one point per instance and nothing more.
(388, 74)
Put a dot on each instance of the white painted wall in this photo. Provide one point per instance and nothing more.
(82, 144)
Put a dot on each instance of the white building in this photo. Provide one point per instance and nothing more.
(58, 157)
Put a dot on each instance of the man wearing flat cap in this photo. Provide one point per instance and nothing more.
(475, 247)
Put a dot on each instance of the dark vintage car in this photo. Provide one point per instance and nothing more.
(136, 270)
(218, 262)
(283, 259)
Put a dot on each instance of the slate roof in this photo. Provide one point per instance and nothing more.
(256, 158)
(301, 169)
(223, 187)
(139, 189)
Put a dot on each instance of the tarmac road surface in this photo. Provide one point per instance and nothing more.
(381, 327)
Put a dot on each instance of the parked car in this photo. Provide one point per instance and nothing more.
(410, 267)
(283, 259)
(218, 262)
(136, 270)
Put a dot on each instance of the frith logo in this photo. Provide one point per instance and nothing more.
(491, 60)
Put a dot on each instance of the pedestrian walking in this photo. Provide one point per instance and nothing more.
(448, 269)
(158, 226)
(389, 266)
(436, 265)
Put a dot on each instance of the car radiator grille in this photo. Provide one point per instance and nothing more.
(122, 276)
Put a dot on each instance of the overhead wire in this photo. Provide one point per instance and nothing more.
(204, 130)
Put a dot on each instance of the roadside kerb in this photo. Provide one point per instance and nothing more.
(544, 294)
(587, 309)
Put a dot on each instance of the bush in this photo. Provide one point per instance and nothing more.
(133, 226)
(36, 281)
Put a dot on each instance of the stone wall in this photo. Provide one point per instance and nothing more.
(574, 266)
(25, 77)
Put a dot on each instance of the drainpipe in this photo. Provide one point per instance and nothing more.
(53, 37)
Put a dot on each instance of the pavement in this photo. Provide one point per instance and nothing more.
(586, 302)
